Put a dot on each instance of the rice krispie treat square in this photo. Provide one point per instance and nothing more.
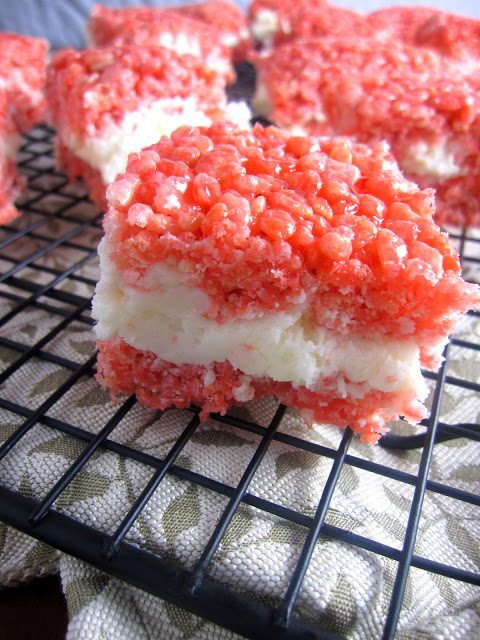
(238, 264)
(372, 90)
(109, 102)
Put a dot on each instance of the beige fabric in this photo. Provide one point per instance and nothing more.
(346, 589)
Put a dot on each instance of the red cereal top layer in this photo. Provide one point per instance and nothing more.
(453, 36)
(8, 129)
(301, 19)
(152, 26)
(90, 89)
(23, 63)
(259, 219)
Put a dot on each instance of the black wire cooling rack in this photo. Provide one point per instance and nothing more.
(57, 217)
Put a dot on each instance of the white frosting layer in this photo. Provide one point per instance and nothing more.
(232, 39)
(436, 160)
(184, 44)
(109, 151)
(264, 26)
(165, 315)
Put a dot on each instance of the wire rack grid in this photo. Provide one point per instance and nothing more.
(38, 287)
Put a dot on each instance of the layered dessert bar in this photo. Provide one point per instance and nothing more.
(455, 37)
(10, 181)
(275, 22)
(237, 264)
(108, 102)
(373, 90)
(151, 26)
(228, 21)
(23, 63)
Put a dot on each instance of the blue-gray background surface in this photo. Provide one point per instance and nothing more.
(62, 21)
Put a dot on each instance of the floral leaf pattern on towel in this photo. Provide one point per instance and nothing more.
(82, 591)
(219, 438)
(58, 446)
(238, 528)
(7, 355)
(340, 614)
(186, 622)
(346, 589)
(397, 499)
(182, 514)
(93, 397)
(287, 533)
(49, 383)
(464, 541)
(86, 484)
(23, 558)
(465, 473)
(293, 460)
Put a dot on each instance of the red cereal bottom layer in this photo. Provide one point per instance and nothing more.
(158, 384)
(78, 169)
(11, 183)
(9, 189)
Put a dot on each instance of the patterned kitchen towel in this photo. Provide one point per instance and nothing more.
(346, 589)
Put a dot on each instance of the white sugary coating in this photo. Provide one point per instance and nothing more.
(165, 315)
(16, 81)
(264, 26)
(231, 39)
(239, 113)
(108, 151)
(180, 43)
(184, 44)
(436, 160)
